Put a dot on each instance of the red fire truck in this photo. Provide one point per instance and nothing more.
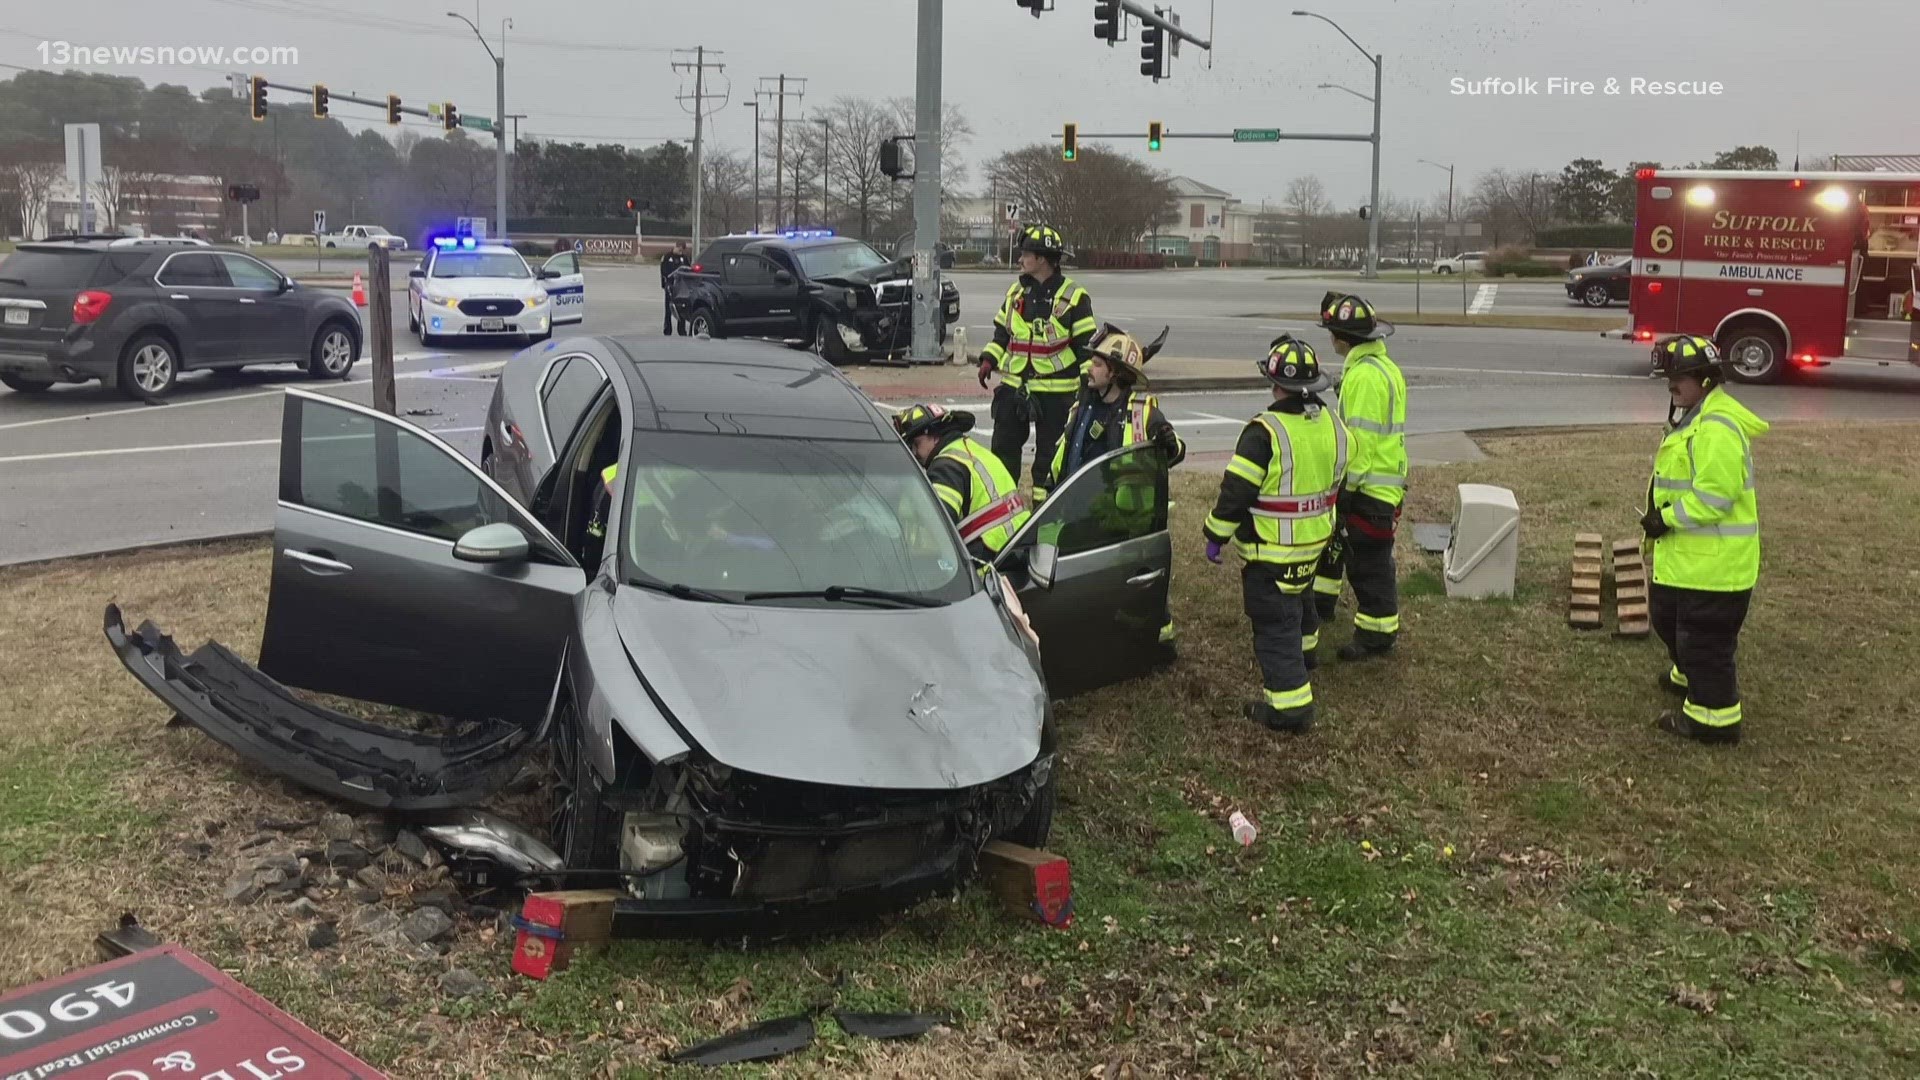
(1780, 269)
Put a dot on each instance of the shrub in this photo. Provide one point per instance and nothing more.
(1518, 262)
(969, 258)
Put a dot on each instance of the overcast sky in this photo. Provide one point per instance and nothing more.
(1839, 74)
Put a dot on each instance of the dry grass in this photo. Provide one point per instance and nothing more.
(1484, 862)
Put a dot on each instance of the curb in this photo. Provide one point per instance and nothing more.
(134, 549)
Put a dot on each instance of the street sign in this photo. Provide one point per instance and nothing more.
(1256, 134)
(1013, 211)
(319, 222)
(433, 109)
(83, 167)
(477, 123)
(479, 228)
(1461, 228)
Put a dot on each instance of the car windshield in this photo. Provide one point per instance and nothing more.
(834, 260)
(375, 230)
(735, 514)
(473, 264)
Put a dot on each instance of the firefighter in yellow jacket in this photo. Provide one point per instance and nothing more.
(1703, 524)
(1276, 508)
(976, 490)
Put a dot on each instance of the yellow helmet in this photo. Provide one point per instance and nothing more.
(1121, 349)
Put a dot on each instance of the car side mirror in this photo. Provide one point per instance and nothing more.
(1041, 562)
(549, 275)
(496, 543)
(782, 278)
(286, 283)
(417, 271)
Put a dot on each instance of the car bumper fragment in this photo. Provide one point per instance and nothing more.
(328, 751)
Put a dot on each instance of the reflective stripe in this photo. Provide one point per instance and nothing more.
(1282, 449)
(1661, 483)
(1310, 642)
(1719, 718)
(1678, 677)
(1376, 428)
(1297, 698)
(608, 474)
(1714, 501)
(1327, 585)
(1040, 384)
(1389, 480)
(1388, 624)
(1085, 326)
(988, 516)
(1031, 348)
(950, 496)
(1222, 529)
(1718, 530)
(1307, 506)
(1166, 634)
(1246, 470)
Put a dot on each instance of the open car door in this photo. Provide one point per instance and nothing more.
(1092, 568)
(568, 288)
(403, 575)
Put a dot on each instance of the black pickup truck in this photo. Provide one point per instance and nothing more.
(812, 289)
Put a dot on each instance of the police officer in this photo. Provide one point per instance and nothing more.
(975, 487)
(1040, 337)
(1276, 507)
(1703, 523)
(1373, 405)
(1112, 411)
(671, 261)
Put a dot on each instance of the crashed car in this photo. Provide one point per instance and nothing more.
(710, 582)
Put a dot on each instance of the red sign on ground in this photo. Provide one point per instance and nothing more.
(160, 1014)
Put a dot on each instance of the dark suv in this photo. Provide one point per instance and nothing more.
(135, 314)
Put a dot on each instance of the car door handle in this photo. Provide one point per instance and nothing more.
(248, 300)
(316, 562)
(1146, 578)
(178, 296)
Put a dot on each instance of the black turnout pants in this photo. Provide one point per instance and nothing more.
(1281, 620)
(1701, 630)
(1011, 423)
(1361, 551)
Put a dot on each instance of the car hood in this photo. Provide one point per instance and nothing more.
(467, 288)
(921, 698)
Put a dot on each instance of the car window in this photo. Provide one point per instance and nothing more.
(480, 264)
(50, 269)
(748, 270)
(193, 269)
(571, 387)
(250, 273)
(1121, 499)
(833, 260)
(359, 467)
(732, 513)
(566, 263)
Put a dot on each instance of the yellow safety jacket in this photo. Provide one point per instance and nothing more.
(1290, 516)
(1042, 352)
(1373, 405)
(990, 510)
(1703, 486)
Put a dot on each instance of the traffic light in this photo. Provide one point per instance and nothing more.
(1154, 130)
(393, 108)
(890, 164)
(319, 101)
(449, 116)
(1035, 6)
(1106, 20)
(1070, 142)
(257, 97)
(1153, 51)
(633, 205)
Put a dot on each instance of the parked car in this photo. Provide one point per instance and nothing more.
(1598, 286)
(1467, 262)
(773, 684)
(833, 294)
(136, 312)
(365, 236)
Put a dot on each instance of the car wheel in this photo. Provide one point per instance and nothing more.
(1034, 829)
(826, 343)
(413, 321)
(148, 367)
(701, 324)
(20, 384)
(1753, 354)
(1443, 269)
(331, 356)
(329, 243)
(585, 830)
(1596, 295)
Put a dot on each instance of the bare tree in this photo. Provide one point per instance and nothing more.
(110, 191)
(30, 180)
(1513, 204)
(859, 127)
(1103, 200)
(728, 179)
(1306, 200)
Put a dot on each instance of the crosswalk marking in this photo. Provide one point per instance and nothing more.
(1483, 300)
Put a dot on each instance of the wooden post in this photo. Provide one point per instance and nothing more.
(1583, 603)
(380, 318)
(1630, 589)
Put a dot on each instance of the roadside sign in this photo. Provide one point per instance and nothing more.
(1013, 211)
(1256, 135)
(319, 222)
(479, 228)
(1461, 228)
(83, 157)
(579, 247)
(477, 123)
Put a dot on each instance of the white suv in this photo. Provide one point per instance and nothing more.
(1467, 262)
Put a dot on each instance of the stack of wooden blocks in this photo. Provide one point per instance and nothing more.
(1629, 585)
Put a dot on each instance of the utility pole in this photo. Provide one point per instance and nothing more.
(755, 106)
(500, 117)
(826, 152)
(926, 185)
(1372, 268)
(780, 93)
(699, 67)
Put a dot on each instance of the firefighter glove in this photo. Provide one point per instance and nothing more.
(1654, 525)
(1213, 551)
(986, 369)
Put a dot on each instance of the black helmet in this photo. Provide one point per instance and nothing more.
(1291, 363)
(1686, 355)
(1351, 317)
(917, 420)
(1043, 240)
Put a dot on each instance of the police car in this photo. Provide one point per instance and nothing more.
(466, 288)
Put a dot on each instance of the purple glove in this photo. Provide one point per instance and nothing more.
(1213, 551)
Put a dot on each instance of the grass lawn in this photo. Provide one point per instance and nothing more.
(1448, 318)
(1484, 862)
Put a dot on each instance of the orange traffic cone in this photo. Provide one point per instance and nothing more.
(359, 291)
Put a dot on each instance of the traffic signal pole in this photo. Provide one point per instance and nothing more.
(926, 187)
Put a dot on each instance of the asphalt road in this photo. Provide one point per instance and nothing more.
(82, 469)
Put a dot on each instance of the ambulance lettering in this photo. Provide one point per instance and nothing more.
(1764, 273)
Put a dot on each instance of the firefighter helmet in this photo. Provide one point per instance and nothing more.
(917, 420)
(1122, 350)
(1043, 240)
(1291, 363)
(1349, 316)
(1684, 355)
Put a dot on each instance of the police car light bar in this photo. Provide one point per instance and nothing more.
(453, 241)
(806, 234)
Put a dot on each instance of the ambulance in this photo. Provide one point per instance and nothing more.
(1784, 270)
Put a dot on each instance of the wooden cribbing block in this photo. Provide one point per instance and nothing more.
(1630, 590)
(1583, 603)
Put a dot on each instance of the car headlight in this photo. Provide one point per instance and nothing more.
(536, 299)
(442, 301)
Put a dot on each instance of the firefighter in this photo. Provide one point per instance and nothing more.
(1040, 337)
(1113, 411)
(975, 487)
(1276, 507)
(1373, 406)
(1703, 524)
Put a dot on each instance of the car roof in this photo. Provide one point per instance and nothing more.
(803, 241)
(497, 249)
(739, 388)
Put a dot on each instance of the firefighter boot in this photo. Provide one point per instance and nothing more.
(1671, 684)
(1354, 650)
(1290, 721)
(1678, 723)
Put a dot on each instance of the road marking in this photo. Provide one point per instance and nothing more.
(1483, 300)
(181, 446)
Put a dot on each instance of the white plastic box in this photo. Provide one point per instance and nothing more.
(1485, 550)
